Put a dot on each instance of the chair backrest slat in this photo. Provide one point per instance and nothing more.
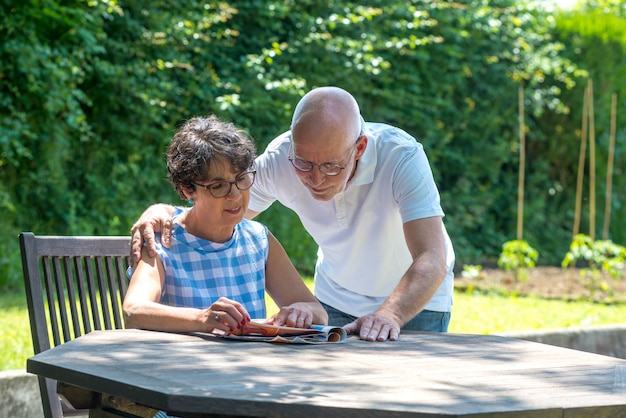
(73, 285)
(50, 289)
(122, 281)
(82, 293)
(113, 274)
(59, 302)
(92, 285)
(104, 290)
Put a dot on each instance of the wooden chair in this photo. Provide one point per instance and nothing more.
(74, 285)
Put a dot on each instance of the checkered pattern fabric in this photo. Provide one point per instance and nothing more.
(198, 272)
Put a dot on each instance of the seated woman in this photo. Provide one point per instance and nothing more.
(218, 265)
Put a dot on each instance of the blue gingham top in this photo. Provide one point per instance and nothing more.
(198, 272)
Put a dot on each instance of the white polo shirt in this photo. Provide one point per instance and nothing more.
(362, 251)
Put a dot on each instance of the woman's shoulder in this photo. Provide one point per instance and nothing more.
(253, 226)
(253, 234)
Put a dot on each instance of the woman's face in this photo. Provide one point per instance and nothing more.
(229, 210)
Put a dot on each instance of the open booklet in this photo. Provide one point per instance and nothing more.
(316, 334)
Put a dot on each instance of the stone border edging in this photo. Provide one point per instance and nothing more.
(19, 395)
(608, 340)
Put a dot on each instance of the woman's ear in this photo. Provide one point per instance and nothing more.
(188, 192)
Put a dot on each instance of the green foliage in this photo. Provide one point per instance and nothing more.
(595, 34)
(438, 70)
(517, 255)
(602, 261)
(597, 255)
(91, 92)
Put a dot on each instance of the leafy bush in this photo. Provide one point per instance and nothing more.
(602, 261)
(517, 255)
(596, 255)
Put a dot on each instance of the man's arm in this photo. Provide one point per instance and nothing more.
(419, 284)
(157, 218)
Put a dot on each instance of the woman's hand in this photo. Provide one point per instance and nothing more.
(299, 315)
(225, 315)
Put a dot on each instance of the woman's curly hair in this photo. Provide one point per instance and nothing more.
(201, 142)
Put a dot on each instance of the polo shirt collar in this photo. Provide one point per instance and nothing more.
(367, 163)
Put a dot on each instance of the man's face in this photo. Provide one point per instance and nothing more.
(322, 158)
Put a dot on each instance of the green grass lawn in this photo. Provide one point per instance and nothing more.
(15, 342)
(473, 313)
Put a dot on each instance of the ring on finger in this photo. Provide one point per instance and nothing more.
(216, 317)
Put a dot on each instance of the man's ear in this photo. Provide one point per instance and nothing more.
(361, 146)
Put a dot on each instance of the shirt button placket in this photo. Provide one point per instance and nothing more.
(340, 210)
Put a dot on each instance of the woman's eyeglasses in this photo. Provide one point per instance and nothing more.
(221, 188)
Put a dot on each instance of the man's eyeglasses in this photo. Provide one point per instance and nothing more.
(328, 169)
(221, 188)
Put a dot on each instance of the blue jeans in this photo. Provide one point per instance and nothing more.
(431, 321)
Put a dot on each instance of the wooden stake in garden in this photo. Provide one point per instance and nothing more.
(522, 163)
(592, 166)
(609, 170)
(581, 163)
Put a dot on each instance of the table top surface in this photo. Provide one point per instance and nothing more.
(422, 374)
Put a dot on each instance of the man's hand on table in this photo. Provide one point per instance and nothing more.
(374, 327)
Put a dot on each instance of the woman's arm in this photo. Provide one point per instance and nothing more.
(298, 306)
(142, 307)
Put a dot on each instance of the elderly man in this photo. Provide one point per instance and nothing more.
(366, 194)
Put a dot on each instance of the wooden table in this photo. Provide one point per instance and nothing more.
(421, 375)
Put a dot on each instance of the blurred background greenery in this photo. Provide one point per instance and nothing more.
(91, 92)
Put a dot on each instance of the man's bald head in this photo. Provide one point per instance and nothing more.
(327, 109)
